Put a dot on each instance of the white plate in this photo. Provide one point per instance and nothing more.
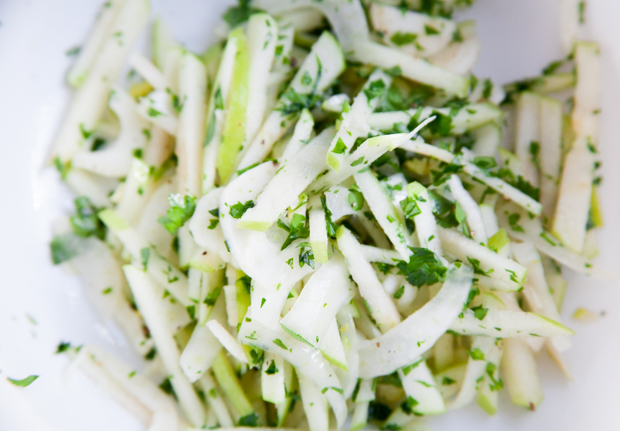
(519, 38)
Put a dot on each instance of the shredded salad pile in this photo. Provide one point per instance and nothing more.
(325, 220)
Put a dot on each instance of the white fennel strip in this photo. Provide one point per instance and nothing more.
(433, 33)
(218, 101)
(536, 292)
(332, 348)
(525, 229)
(327, 290)
(527, 139)
(315, 404)
(262, 40)
(403, 344)
(319, 240)
(425, 223)
(289, 182)
(519, 370)
(575, 190)
(354, 119)
(226, 340)
(469, 117)
(369, 151)
(89, 102)
(88, 52)
(481, 347)
(378, 302)
(148, 71)
(550, 154)
(162, 271)
(149, 306)
(202, 347)
(190, 135)
(508, 324)
(301, 135)
(306, 360)
(493, 265)
(115, 159)
(384, 212)
(273, 379)
(470, 208)
(324, 63)
(419, 385)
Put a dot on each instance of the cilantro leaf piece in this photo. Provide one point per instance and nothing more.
(249, 420)
(211, 298)
(356, 199)
(441, 126)
(375, 89)
(166, 386)
(394, 71)
(480, 312)
(271, 369)
(513, 220)
(295, 102)
(63, 347)
(378, 411)
(476, 354)
(239, 14)
(297, 230)
(280, 344)
(409, 404)
(472, 294)
(340, 147)
(410, 207)
(23, 382)
(475, 263)
(306, 255)
(237, 210)
(431, 30)
(85, 222)
(440, 177)
(331, 226)
(484, 162)
(64, 247)
(423, 268)
(181, 209)
(400, 38)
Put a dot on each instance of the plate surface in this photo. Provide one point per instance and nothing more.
(40, 305)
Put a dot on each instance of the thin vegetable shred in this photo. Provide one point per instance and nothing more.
(325, 220)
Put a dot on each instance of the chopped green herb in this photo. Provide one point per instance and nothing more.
(306, 255)
(280, 344)
(480, 312)
(423, 268)
(64, 248)
(401, 39)
(237, 210)
(297, 230)
(86, 223)
(23, 382)
(356, 199)
(375, 89)
(272, 369)
(180, 211)
(476, 354)
(430, 31)
(410, 207)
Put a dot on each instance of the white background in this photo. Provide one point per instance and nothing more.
(519, 38)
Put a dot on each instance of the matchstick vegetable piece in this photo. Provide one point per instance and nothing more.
(89, 102)
(403, 344)
(575, 191)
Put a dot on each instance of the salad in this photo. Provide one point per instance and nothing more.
(325, 220)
